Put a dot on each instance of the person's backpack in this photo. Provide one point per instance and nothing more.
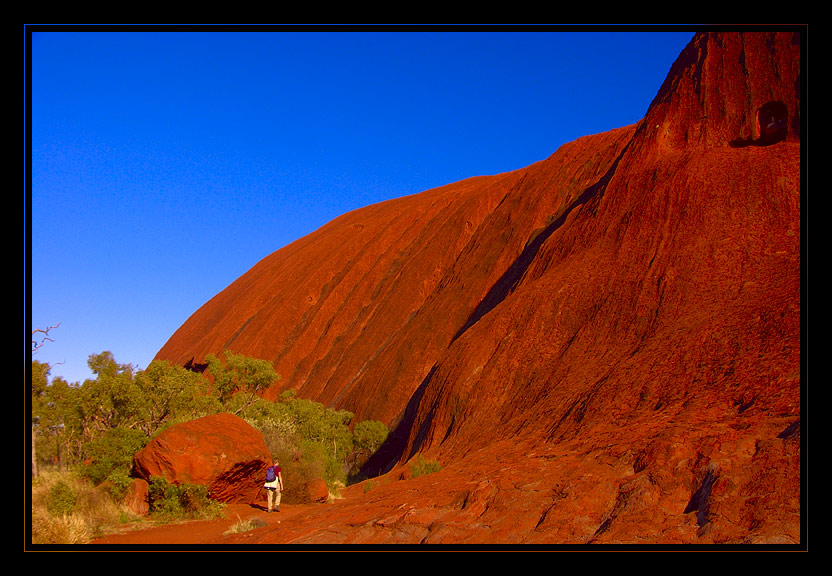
(270, 474)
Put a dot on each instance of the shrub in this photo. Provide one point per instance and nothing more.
(246, 525)
(61, 499)
(117, 484)
(369, 435)
(176, 501)
(307, 463)
(113, 452)
(311, 441)
(421, 466)
(67, 509)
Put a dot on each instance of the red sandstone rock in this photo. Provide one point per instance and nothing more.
(602, 347)
(136, 498)
(220, 451)
(317, 491)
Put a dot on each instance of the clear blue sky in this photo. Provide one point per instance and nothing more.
(165, 165)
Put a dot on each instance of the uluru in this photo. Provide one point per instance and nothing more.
(604, 347)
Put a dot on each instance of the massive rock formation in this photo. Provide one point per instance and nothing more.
(601, 347)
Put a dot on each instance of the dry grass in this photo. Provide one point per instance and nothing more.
(66, 509)
(246, 525)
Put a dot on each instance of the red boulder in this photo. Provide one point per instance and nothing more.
(317, 491)
(220, 451)
(136, 498)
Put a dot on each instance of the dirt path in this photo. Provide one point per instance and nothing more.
(197, 531)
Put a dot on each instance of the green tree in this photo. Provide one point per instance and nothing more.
(322, 435)
(240, 380)
(317, 423)
(112, 454)
(368, 436)
(40, 373)
(40, 380)
(111, 400)
(171, 394)
(55, 424)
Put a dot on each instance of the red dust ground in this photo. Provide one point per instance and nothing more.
(198, 532)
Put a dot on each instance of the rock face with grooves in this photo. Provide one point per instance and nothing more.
(602, 347)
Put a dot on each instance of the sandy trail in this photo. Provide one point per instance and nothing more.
(197, 532)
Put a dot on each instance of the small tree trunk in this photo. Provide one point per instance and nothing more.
(34, 458)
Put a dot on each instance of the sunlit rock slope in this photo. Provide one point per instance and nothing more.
(604, 346)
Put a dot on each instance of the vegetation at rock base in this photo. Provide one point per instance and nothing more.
(61, 499)
(68, 509)
(314, 441)
(110, 458)
(176, 501)
(421, 466)
(87, 433)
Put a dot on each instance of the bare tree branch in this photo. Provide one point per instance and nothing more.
(43, 337)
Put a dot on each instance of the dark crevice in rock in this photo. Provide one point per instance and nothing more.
(700, 501)
(792, 429)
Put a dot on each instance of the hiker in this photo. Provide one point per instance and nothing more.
(273, 486)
